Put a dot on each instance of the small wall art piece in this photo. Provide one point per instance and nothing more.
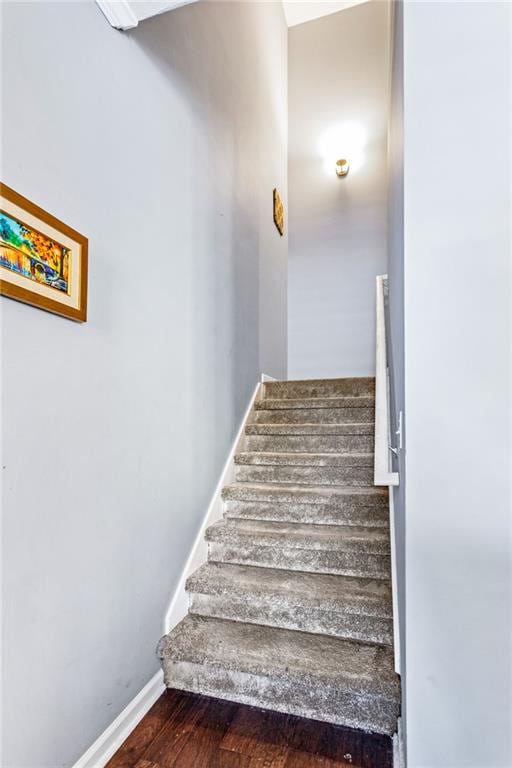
(43, 262)
(278, 213)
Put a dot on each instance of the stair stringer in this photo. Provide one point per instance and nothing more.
(179, 603)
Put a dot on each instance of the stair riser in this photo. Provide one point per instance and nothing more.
(313, 561)
(365, 498)
(366, 712)
(283, 404)
(315, 416)
(304, 459)
(319, 514)
(310, 443)
(282, 612)
(354, 476)
(352, 428)
(335, 388)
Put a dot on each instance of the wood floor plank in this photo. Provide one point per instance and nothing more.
(258, 733)
(145, 764)
(145, 732)
(273, 760)
(331, 742)
(377, 752)
(202, 748)
(180, 725)
(307, 760)
(183, 730)
(227, 759)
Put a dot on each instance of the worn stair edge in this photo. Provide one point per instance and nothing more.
(320, 387)
(361, 668)
(337, 594)
(350, 428)
(363, 712)
(302, 403)
(324, 678)
(275, 458)
(261, 609)
(372, 496)
(316, 514)
(325, 538)
(368, 566)
(315, 416)
(306, 475)
(309, 444)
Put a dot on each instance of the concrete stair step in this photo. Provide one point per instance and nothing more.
(340, 606)
(305, 474)
(302, 403)
(340, 415)
(320, 388)
(346, 550)
(324, 678)
(310, 443)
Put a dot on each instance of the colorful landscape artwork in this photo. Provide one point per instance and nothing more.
(27, 252)
(43, 261)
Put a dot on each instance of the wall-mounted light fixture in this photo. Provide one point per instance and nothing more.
(349, 137)
(342, 168)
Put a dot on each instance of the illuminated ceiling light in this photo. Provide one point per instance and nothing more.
(342, 168)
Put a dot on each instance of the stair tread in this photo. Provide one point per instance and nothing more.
(316, 382)
(289, 403)
(318, 494)
(371, 597)
(350, 428)
(346, 665)
(286, 535)
(335, 413)
(274, 458)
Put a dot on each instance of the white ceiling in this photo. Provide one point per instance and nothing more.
(299, 11)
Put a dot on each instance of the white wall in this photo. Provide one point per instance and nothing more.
(338, 73)
(458, 351)
(162, 145)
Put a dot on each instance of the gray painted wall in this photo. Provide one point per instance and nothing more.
(338, 72)
(458, 347)
(170, 137)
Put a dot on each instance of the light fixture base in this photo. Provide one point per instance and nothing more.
(342, 168)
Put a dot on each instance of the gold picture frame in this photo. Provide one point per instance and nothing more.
(43, 262)
(278, 212)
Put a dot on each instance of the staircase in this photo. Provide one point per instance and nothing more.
(293, 610)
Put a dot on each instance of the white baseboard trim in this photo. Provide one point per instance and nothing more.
(111, 739)
(178, 606)
(265, 377)
(398, 747)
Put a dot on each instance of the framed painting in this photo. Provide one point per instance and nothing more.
(278, 213)
(43, 262)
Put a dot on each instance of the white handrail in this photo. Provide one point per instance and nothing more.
(383, 474)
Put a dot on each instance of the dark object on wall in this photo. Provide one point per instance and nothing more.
(278, 213)
(43, 262)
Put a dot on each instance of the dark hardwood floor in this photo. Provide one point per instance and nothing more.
(183, 730)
